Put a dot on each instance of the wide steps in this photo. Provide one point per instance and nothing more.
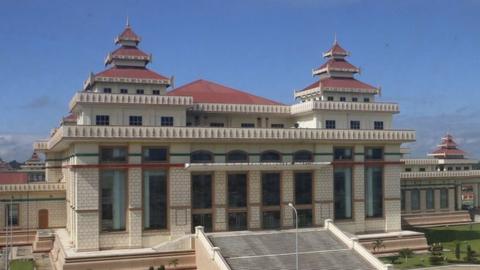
(434, 219)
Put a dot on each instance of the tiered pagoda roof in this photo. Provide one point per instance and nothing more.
(337, 75)
(127, 64)
(448, 149)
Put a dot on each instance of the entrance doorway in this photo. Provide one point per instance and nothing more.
(43, 219)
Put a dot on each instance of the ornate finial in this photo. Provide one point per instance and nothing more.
(335, 38)
(128, 22)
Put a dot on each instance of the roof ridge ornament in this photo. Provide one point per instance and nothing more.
(128, 22)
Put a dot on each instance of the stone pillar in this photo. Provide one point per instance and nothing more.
(317, 187)
(135, 208)
(359, 197)
(220, 201)
(87, 216)
(287, 189)
(458, 201)
(475, 194)
(451, 199)
(325, 194)
(423, 200)
(436, 199)
(408, 201)
(180, 201)
(392, 211)
(254, 200)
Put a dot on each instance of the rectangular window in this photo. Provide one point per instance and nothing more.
(156, 92)
(373, 153)
(408, 169)
(271, 220)
(155, 154)
(270, 189)
(443, 198)
(402, 195)
(421, 169)
(343, 99)
(354, 99)
(12, 212)
(466, 168)
(201, 191)
(113, 195)
(217, 124)
(124, 91)
(107, 90)
(374, 191)
(278, 125)
(237, 221)
(305, 218)
(155, 200)
(303, 188)
(343, 193)
(341, 153)
(330, 124)
(237, 190)
(458, 168)
(430, 198)
(378, 124)
(366, 99)
(102, 120)
(113, 154)
(204, 220)
(354, 124)
(415, 199)
(330, 98)
(247, 125)
(140, 91)
(135, 120)
(166, 121)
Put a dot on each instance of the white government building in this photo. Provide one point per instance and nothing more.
(138, 164)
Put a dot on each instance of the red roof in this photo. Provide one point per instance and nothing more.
(338, 64)
(130, 72)
(128, 51)
(13, 178)
(128, 34)
(336, 50)
(204, 91)
(448, 147)
(335, 82)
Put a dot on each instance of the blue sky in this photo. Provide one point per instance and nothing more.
(424, 55)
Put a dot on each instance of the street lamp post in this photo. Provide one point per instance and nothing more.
(296, 234)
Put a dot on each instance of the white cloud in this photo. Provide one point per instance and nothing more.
(16, 146)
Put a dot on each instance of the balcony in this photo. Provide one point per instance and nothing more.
(228, 134)
(107, 98)
(242, 108)
(40, 145)
(345, 106)
(45, 186)
(439, 174)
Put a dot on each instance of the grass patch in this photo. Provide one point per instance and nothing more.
(22, 265)
(448, 236)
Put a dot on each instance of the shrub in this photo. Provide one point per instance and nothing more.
(405, 253)
(457, 250)
(436, 260)
(471, 255)
(161, 267)
(151, 268)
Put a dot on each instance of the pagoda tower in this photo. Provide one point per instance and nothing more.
(337, 78)
(448, 149)
(127, 65)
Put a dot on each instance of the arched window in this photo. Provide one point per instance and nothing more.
(270, 156)
(237, 156)
(303, 156)
(201, 156)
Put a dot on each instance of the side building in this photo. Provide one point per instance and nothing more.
(144, 164)
(440, 189)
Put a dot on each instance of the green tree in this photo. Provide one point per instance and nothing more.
(457, 250)
(405, 253)
(173, 262)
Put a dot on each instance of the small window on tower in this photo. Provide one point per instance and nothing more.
(330, 124)
(247, 125)
(107, 90)
(366, 99)
(166, 121)
(278, 126)
(135, 120)
(354, 99)
(354, 124)
(330, 98)
(102, 120)
(124, 91)
(156, 92)
(343, 99)
(217, 124)
(378, 124)
(140, 91)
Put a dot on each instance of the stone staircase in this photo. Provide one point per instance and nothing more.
(435, 219)
(394, 242)
(43, 241)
